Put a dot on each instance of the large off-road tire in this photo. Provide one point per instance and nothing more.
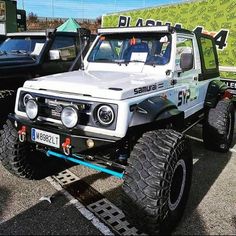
(218, 126)
(22, 159)
(7, 100)
(157, 181)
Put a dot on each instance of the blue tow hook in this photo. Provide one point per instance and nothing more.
(87, 164)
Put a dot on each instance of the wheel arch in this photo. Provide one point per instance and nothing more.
(215, 91)
(157, 109)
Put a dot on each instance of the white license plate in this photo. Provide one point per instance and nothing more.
(44, 137)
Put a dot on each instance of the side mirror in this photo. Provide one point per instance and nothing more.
(54, 55)
(186, 61)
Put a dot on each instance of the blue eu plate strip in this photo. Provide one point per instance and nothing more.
(87, 164)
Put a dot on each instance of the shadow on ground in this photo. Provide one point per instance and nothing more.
(234, 221)
(57, 218)
(4, 195)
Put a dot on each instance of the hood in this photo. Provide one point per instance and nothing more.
(15, 59)
(99, 84)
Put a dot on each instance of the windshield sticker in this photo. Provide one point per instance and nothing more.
(139, 56)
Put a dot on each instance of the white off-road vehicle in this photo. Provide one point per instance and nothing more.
(126, 113)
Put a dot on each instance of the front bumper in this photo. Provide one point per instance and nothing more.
(78, 139)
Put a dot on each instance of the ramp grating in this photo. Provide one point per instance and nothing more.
(106, 211)
(113, 217)
(65, 177)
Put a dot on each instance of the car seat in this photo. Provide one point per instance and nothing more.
(166, 55)
(159, 59)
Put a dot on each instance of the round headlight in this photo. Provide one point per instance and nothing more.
(26, 98)
(32, 109)
(105, 115)
(69, 117)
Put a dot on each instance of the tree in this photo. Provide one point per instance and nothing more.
(32, 17)
(98, 20)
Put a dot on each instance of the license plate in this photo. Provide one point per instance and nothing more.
(45, 137)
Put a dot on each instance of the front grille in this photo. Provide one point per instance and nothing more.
(52, 108)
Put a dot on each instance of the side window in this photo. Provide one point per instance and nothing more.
(66, 46)
(184, 45)
(208, 53)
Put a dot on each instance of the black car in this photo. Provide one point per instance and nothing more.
(2, 38)
(26, 55)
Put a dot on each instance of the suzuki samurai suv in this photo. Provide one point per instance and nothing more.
(126, 113)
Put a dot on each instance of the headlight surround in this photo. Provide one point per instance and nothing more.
(26, 98)
(69, 117)
(105, 115)
(32, 109)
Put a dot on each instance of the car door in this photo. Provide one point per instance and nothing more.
(66, 49)
(187, 83)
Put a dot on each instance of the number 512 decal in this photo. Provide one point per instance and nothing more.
(183, 97)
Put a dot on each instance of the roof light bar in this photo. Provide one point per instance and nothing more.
(161, 29)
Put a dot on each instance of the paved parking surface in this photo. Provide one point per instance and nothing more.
(211, 207)
(22, 213)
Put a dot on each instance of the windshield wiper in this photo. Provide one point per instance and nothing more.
(19, 52)
(102, 59)
(134, 61)
(127, 61)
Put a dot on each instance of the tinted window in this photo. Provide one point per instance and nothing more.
(66, 46)
(208, 53)
(22, 44)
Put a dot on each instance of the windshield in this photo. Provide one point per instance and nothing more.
(27, 45)
(149, 48)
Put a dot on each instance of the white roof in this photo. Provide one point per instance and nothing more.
(28, 33)
(161, 29)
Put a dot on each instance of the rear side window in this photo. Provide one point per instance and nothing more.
(66, 46)
(208, 53)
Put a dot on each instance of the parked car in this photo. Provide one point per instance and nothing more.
(26, 55)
